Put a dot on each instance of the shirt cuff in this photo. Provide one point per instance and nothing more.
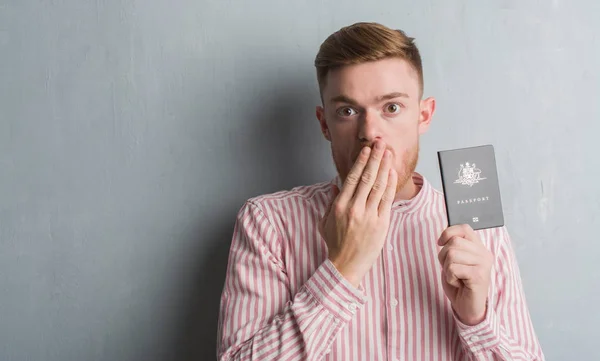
(330, 289)
(481, 337)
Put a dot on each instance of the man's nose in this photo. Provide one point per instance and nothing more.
(369, 128)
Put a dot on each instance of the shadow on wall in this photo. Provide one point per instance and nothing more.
(275, 132)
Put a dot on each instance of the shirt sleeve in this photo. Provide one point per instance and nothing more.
(506, 333)
(259, 319)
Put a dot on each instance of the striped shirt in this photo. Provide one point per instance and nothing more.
(284, 300)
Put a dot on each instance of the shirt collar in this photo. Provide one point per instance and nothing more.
(406, 205)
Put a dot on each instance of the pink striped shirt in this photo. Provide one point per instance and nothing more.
(284, 300)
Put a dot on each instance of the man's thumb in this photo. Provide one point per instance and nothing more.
(336, 191)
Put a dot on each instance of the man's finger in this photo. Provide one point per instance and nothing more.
(381, 182)
(457, 244)
(390, 193)
(354, 176)
(458, 255)
(470, 234)
(456, 273)
(461, 230)
(369, 174)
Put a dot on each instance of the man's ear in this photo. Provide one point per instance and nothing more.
(427, 108)
(320, 112)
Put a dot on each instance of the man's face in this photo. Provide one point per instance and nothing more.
(377, 100)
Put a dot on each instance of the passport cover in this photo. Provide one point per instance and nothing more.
(471, 187)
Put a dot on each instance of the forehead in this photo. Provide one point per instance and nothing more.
(367, 81)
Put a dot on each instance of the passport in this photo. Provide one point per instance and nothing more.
(471, 187)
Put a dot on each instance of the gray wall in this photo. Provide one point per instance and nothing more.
(132, 131)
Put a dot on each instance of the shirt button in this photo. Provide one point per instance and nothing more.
(328, 351)
(394, 302)
(352, 307)
(474, 338)
(390, 247)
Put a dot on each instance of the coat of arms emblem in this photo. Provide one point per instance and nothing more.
(468, 174)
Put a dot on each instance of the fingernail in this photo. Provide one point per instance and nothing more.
(378, 145)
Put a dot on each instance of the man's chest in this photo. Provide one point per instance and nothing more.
(408, 262)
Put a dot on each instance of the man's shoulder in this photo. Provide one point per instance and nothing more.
(292, 199)
(438, 195)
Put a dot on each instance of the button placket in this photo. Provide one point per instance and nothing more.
(352, 307)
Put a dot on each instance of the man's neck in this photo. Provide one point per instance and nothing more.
(408, 191)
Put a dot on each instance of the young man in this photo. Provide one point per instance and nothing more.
(364, 267)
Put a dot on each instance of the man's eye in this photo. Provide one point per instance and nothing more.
(392, 108)
(346, 112)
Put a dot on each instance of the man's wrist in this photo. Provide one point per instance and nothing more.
(472, 320)
(348, 272)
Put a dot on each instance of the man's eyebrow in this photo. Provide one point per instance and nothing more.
(392, 96)
(346, 99)
(343, 99)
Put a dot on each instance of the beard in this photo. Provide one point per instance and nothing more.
(409, 157)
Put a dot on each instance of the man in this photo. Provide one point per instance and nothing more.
(364, 267)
